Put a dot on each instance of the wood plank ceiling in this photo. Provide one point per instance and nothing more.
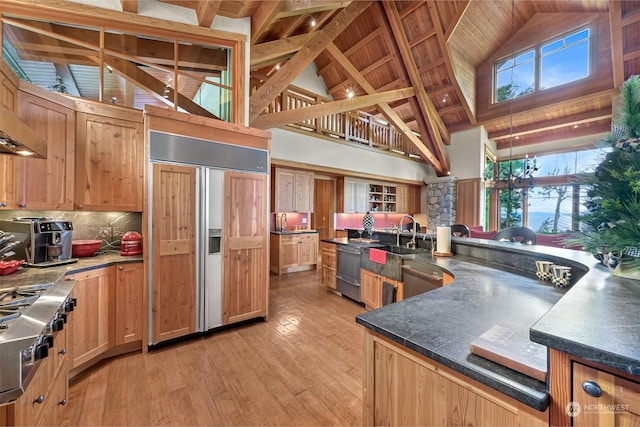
(437, 50)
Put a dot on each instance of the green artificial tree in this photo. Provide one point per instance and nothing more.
(611, 228)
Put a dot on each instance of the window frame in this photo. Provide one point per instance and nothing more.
(537, 59)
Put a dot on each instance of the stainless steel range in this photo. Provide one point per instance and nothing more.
(29, 315)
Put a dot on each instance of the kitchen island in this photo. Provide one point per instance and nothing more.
(419, 369)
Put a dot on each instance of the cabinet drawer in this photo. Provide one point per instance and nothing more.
(329, 277)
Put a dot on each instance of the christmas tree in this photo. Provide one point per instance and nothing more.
(612, 225)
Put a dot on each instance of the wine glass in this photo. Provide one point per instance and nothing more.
(370, 231)
(360, 231)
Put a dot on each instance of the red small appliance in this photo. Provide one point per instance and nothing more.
(131, 244)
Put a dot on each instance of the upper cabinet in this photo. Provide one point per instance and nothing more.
(109, 158)
(44, 184)
(355, 195)
(8, 98)
(293, 191)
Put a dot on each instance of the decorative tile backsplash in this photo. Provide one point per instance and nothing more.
(90, 225)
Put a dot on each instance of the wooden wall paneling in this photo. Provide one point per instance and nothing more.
(174, 251)
(245, 246)
(468, 198)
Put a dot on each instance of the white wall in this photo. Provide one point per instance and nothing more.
(295, 147)
(310, 81)
(466, 153)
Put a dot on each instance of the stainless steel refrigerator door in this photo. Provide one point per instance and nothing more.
(211, 255)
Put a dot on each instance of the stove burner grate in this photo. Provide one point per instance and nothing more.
(6, 316)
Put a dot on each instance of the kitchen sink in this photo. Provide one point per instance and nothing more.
(403, 250)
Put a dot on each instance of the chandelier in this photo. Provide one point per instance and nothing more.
(518, 176)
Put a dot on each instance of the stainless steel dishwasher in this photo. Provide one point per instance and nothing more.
(348, 271)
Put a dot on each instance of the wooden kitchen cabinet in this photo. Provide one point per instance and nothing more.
(355, 195)
(618, 404)
(109, 158)
(47, 184)
(91, 334)
(293, 191)
(129, 305)
(8, 98)
(246, 273)
(45, 398)
(402, 387)
(371, 285)
(328, 264)
(293, 252)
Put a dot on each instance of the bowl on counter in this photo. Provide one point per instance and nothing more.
(84, 248)
(8, 267)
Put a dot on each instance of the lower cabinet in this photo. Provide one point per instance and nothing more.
(371, 288)
(45, 398)
(109, 311)
(328, 264)
(401, 387)
(91, 335)
(129, 305)
(604, 399)
(293, 252)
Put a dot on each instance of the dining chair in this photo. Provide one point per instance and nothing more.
(517, 234)
(460, 230)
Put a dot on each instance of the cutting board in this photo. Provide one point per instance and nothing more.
(503, 344)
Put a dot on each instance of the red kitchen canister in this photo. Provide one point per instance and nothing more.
(131, 244)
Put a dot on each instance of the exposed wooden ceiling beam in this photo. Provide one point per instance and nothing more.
(263, 16)
(456, 20)
(343, 62)
(617, 46)
(267, 121)
(444, 49)
(562, 122)
(129, 5)
(555, 136)
(275, 85)
(437, 130)
(295, 8)
(206, 11)
(269, 53)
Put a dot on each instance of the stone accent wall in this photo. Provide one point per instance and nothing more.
(441, 204)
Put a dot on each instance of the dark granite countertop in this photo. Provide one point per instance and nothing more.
(36, 275)
(597, 318)
(288, 232)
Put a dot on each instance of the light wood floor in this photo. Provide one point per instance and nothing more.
(300, 368)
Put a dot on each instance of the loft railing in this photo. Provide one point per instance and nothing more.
(357, 127)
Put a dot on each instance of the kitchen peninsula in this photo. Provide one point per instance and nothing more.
(419, 370)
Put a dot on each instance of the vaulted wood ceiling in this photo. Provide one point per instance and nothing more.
(439, 50)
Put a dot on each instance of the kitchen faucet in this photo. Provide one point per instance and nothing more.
(412, 243)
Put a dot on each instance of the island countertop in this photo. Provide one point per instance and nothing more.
(593, 319)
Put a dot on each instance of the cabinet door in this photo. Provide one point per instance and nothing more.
(129, 304)
(617, 406)
(356, 196)
(329, 264)
(246, 273)
(369, 288)
(91, 334)
(285, 190)
(308, 249)
(173, 293)
(46, 184)
(289, 251)
(8, 185)
(303, 192)
(109, 170)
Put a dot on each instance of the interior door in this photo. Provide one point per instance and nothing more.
(324, 208)
(246, 272)
(173, 251)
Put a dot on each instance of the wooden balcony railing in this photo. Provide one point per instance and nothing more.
(357, 127)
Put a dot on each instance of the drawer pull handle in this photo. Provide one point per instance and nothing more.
(40, 399)
(63, 351)
(62, 402)
(592, 388)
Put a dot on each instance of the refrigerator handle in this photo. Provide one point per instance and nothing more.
(215, 237)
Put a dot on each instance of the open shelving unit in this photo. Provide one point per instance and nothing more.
(382, 198)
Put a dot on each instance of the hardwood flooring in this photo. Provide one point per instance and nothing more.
(302, 367)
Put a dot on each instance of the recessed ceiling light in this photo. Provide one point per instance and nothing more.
(575, 126)
(277, 66)
(313, 21)
(350, 93)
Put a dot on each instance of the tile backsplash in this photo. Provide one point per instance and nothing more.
(87, 225)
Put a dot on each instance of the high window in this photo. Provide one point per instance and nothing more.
(561, 61)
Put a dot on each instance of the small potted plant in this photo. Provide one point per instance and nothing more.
(611, 228)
